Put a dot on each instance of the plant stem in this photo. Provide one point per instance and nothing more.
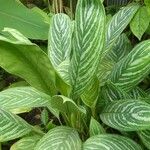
(71, 9)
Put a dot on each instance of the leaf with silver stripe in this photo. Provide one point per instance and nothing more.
(145, 137)
(110, 142)
(117, 24)
(23, 97)
(12, 126)
(127, 115)
(87, 44)
(62, 138)
(26, 143)
(131, 70)
(59, 44)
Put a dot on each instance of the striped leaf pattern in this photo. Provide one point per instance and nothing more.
(87, 44)
(121, 48)
(127, 115)
(117, 24)
(62, 138)
(12, 126)
(59, 39)
(117, 2)
(110, 142)
(145, 137)
(129, 71)
(111, 92)
(95, 128)
(26, 143)
(23, 97)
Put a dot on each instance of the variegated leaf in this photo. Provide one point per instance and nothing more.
(111, 92)
(62, 138)
(95, 128)
(110, 142)
(121, 48)
(23, 97)
(127, 115)
(117, 24)
(59, 39)
(12, 126)
(88, 43)
(145, 137)
(26, 143)
(131, 70)
(117, 2)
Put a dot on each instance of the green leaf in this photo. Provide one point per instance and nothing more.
(65, 105)
(15, 15)
(87, 44)
(44, 116)
(12, 126)
(117, 2)
(145, 137)
(117, 24)
(26, 143)
(127, 115)
(91, 94)
(131, 70)
(140, 22)
(95, 127)
(121, 48)
(63, 138)
(110, 142)
(28, 61)
(111, 92)
(60, 35)
(147, 3)
(23, 97)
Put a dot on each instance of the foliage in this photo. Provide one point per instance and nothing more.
(88, 83)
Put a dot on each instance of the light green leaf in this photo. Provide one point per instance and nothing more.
(117, 24)
(145, 137)
(65, 105)
(91, 94)
(127, 115)
(27, 61)
(63, 138)
(131, 70)
(12, 126)
(111, 92)
(147, 3)
(95, 127)
(110, 142)
(23, 97)
(87, 44)
(15, 15)
(26, 143)
(140, 22)
(60, 35)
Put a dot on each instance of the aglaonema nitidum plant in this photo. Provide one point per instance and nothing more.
(88, 81)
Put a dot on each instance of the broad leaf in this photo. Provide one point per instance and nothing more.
(23, 97)
(15, 15)
(87, 44)
(12, 126)
(28, 61)
(131, 70)
(59, 39)
(95, 128)
(117, 24)
(63, 138)
(26, 143)
(121, 48)
(110, 142)
(65, 105)
(91, 94)
(111, 92)
(127, 115)
(140, 22)
(145, 137)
